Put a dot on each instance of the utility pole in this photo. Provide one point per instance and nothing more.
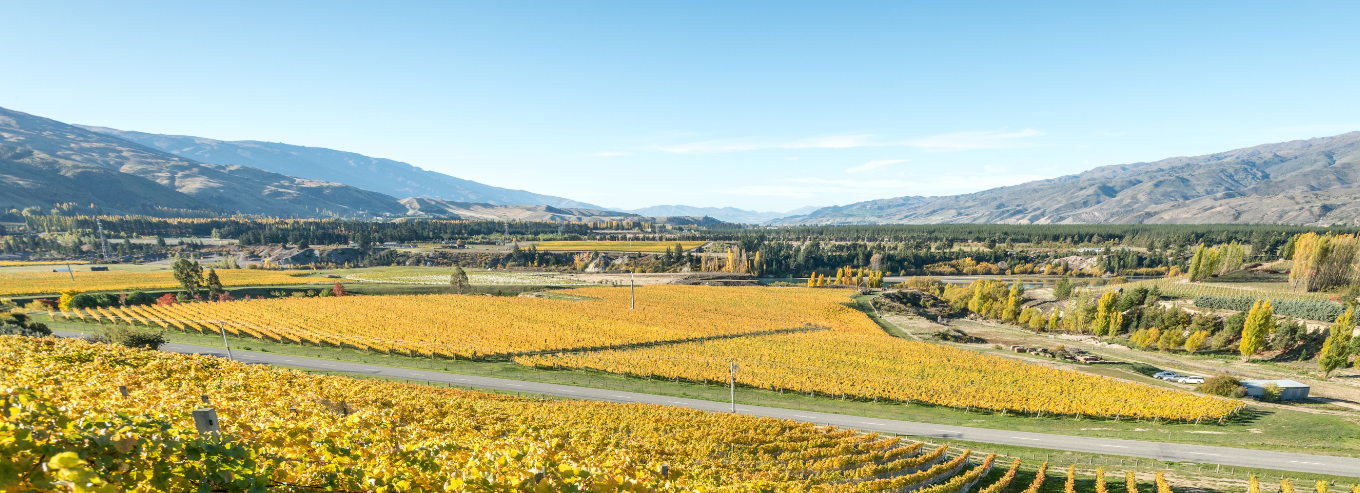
(632, 296)
(70, 271)
(732, 381)
(222, 327)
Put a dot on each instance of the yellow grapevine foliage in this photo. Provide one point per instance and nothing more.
(615, 246)
(863, 362)
(480, 326)
(22, 263)
(284, 430)
(21, 283)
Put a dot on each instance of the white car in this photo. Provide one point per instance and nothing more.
(1185, 379)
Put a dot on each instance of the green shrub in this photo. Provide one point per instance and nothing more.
(84, 300)
(140, 298)
(1224, 385)
(126, 336)
(1271, 392)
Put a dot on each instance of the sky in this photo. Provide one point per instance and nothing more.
(765, 106)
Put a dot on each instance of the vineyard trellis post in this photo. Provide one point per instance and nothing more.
(732, 381)
(222, 327)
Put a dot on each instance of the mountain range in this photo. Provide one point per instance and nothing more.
(45, 162)
(729, 214)
(1313, 182)
(385, 176)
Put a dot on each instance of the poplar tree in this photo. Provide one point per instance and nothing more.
(1336, 351)
(1259, 324)
(1105, 314)
(1195, 263)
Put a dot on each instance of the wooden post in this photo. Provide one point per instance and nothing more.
(206, 422)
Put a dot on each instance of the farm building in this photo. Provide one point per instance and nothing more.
(1289, 389)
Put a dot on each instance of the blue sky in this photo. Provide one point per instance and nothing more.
(758, 105)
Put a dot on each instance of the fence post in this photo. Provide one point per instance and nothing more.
(206, 422)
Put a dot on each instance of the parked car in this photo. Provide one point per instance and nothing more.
(1166, 375)
(1194, 380)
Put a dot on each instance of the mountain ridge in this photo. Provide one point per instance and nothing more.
(386, 176)
(60, 149)
(1309, 181)
(728, 214)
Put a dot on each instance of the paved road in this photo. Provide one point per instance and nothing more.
(1319, 464)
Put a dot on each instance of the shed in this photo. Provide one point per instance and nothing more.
(1289, 389)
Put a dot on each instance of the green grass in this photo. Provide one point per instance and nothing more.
(1282, 430)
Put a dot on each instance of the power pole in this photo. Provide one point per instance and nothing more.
(632, 296)
(732, 381)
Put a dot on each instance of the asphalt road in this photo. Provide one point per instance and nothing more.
(1319, 464)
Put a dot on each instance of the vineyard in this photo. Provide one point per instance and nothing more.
(879, 367)
(24, 283)
(25, 263)
(488, 327)
(474, 277)
(616, 246)
(785, 339)
(110, 418)
(1179, 288)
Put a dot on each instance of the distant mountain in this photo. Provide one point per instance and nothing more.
(1312, 182)
(47, 162)
(385, 176)
(728, 214)
(467, 210)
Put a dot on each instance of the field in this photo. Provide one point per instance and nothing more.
(871, 365)
(482, 326)
(615, 246)
(31, 283)
(689, 332)
(1177, 287)
(26, 263)
(477, 277)
(283, 430)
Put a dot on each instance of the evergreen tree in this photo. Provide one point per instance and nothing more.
(1063, 289)
(214, 284)
(189, 274)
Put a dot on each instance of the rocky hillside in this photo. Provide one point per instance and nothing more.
(1314, 182)
(385, 176)
(48, 162)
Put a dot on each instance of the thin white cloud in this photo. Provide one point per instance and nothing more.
(611, 154)
(772, 191)
(715, 146)
(873, 165)
(961, 141)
